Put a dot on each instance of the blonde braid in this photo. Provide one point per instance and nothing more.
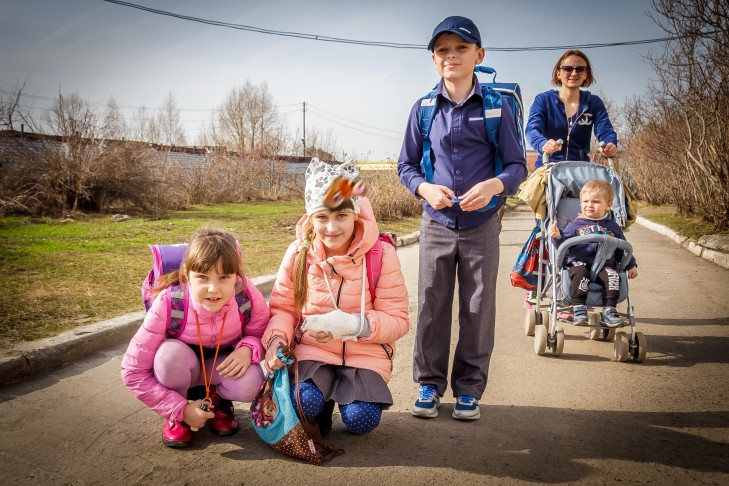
(300, 269)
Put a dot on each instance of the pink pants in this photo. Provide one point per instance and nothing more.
(177, 367)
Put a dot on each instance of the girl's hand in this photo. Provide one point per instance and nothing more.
(554, 230)
(271, 361)
(321, 336)
(609, 150)
(437, 196)
(633, 272)
(236, 363)
(194, 416)
(480, 194)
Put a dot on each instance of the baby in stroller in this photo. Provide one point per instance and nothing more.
(596, 200)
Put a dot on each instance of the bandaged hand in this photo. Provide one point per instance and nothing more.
(336, 322)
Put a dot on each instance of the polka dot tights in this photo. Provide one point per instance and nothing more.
(358, 417)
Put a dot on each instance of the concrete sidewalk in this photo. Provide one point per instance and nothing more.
(32, 357)
(580, 418)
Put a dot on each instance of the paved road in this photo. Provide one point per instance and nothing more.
(581, 418)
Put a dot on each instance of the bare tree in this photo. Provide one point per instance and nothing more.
(684, 133)
(169, 122)
(113, 125)
(249, 121)
(10, 112)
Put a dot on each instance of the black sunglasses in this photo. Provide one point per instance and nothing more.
(569, 69)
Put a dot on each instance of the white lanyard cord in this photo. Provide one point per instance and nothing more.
(364, 283)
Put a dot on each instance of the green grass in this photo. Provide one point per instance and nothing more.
(692, 227)
(61, 274)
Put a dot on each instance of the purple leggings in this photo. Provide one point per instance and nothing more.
(177, 367)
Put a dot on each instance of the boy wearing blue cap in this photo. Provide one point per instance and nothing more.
(457, 241)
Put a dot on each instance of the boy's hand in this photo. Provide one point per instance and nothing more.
(554, 230)
(633, 272)
(437, 196)
(480, 194)
(236, 363)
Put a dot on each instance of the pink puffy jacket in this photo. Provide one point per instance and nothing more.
(387, 315)
(136, 368)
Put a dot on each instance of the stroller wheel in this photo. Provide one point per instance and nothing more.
(638, 352)
(621, 347)
(530, 321)
(545, 318)
(540, 340)
(558, 341)
(602, 334)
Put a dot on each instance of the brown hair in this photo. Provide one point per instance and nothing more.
(598, 185)
(207, 247)
(589, 77)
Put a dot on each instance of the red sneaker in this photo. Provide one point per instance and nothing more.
(224, 422)
(176, 434)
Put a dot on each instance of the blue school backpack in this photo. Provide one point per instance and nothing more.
(167, 258)
(494, 95)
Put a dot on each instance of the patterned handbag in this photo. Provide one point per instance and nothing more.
(275, 420)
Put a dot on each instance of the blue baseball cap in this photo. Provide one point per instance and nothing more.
(462, 26)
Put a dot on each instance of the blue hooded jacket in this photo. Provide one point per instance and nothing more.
(548, 120)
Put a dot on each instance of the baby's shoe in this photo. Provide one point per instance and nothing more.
(176, 434)
(610, 317)
(580, 315)
(224, 423)
(530, 301)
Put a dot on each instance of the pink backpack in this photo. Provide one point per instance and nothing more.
(374, 260)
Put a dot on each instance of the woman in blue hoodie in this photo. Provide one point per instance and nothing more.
(570, 114)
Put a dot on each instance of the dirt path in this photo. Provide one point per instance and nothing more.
(580, 418)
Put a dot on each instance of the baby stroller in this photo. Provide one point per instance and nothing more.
(553, 301)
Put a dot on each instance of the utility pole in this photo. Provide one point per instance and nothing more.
(303, 140)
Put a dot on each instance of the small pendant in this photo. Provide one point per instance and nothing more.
(206, 404)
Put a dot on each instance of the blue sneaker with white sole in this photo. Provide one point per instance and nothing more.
(610, 318)
(426, 406)
(466, 408)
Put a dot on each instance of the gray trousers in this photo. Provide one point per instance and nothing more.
(471, 255)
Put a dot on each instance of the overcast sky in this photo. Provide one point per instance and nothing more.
(363, 93)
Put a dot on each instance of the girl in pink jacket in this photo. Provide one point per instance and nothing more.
(214, 348)
(346, 341)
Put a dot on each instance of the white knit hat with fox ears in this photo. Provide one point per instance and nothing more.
(319, 176)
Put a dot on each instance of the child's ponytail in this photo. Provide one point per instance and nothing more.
(301, 270)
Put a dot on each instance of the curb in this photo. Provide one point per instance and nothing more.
(46, 354)
(717, 257)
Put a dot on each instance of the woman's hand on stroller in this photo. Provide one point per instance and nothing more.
(554, 230)
(609, 150)
(552, 146)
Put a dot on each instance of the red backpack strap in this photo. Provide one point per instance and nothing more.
(176, 309)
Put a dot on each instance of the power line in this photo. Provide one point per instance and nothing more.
(393, 45)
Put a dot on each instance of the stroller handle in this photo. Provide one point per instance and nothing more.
(611, 163)
(606, 250)
(545, 155)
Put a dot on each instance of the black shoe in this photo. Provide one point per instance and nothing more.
(324, 419)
